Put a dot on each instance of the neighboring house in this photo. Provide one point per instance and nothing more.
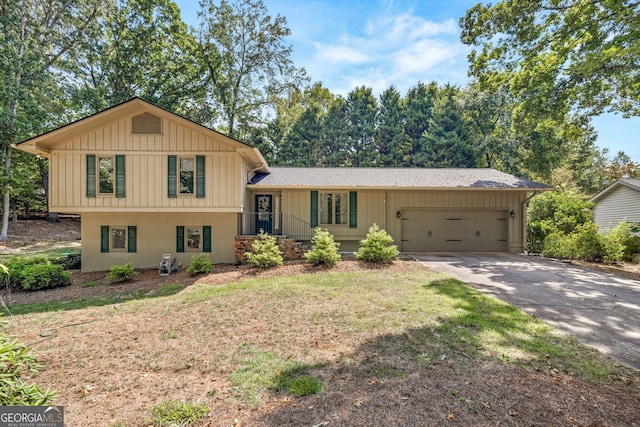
(617, 203)
(147, 182)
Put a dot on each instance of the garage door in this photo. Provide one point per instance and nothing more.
(429, 230)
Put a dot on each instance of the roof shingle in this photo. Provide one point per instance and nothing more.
(402, 178)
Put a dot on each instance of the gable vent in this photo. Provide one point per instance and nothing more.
(146, 123)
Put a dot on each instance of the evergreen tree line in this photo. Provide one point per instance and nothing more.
(233, 72)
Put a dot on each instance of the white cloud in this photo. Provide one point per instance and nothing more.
(398, 50)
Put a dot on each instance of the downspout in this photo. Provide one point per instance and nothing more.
(523, 209)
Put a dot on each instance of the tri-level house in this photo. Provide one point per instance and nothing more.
(148, 182)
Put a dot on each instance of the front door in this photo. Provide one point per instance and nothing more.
(264, 216)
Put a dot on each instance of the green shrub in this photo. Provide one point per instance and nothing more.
(555, 212)
(70, 262)
(620, 243)
(16, 361)
(174, 413)
(324, 250)
(16, 267)
(44, 276)
(199, 264)
(377, 247)
(584, 243)
(121, 273)
(265, 252)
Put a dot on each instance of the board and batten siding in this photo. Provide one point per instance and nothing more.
(146, 169)
(370, 210)
(621, 204)
(463, 200)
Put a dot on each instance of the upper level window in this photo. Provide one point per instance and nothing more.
(334, 208)
(187, 175)
(146, 123)
(105, 173)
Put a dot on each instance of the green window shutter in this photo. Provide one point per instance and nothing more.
(206, 238)
(104, 238)
(132, 238)
(314, 209)
(120, 176)
(91, 175)
(180, 238)
(353, 209)
(172, 183)
(200, 174)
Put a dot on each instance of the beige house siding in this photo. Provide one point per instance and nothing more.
(381, 207)
(620, 204)
(146, 170)
(156, 235)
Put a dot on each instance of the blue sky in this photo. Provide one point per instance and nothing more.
(379, 43)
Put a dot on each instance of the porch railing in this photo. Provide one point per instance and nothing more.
(280, 223)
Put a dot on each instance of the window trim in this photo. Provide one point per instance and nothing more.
(130, 238)
(118, 175)
(182, 244)
(333, 214)
(173, 176)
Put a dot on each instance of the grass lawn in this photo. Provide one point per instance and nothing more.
(386, 346)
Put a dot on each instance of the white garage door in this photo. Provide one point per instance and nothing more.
(429, 230)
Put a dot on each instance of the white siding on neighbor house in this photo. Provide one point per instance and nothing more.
(620, 204)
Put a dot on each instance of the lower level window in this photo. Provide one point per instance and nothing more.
(194, 238)
(118, 238)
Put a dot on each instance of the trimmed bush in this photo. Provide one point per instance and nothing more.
(44, 276)
(70, 262)
(377, 247)
(199, 264)
(121, 273)
(324, 250)
(16, 268)
(265, 252)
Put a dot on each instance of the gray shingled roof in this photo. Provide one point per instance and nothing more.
(406, 178)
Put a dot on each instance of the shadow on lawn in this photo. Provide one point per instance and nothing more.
(460, 372)
(93, 301)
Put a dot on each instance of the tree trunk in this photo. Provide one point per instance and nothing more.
(6, 205)
(43, 166)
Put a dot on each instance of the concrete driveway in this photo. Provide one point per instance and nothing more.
(599, 309)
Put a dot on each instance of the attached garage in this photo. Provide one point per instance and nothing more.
(424, 210)
(437, 230)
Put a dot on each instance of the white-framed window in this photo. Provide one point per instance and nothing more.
(106, 175)
(187, 174)
(118, 239)
(194, 238)
(334, 208)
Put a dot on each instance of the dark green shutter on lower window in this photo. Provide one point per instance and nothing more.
(172, 182)
(132, 238)
(353, 209)
(314, 209)
(91, 175)
(200, 174)
(206, 238)
(104, 238)
(180, 238)
(120, 176)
